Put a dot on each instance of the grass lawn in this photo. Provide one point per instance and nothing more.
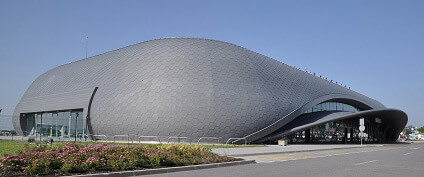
(13, 147)
(10, 147)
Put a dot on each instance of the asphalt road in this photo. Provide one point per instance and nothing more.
(387, 161)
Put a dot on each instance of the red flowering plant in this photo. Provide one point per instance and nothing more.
(72, 158)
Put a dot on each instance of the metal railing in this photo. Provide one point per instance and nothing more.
(211, 138)
(133, 138)
(85, 136)
(236, 139)
(178, 138)
(128, 137)
(107, 139)
(157, 137)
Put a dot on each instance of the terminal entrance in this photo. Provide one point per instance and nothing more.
(338, 123)
(340, 132)
(70, 123)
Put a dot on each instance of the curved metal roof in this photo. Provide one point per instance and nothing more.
(182, 86)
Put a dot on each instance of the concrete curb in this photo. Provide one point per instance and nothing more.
(309, 150)
(169, 170)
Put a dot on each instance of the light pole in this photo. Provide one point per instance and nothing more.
(0, 113)
(41, 125)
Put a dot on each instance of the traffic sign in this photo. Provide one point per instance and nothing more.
(361, 121)
(361, 128)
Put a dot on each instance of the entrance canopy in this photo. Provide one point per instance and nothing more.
(391, 122)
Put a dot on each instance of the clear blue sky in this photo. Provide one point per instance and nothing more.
(375, 47)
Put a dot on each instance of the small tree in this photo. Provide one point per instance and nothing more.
(421, 129)
(407, 130)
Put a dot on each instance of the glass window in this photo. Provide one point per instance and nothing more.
(332, 106)
(55, 123)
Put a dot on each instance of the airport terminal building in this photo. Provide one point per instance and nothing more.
(198, 88)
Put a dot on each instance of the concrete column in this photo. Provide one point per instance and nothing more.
(307, 135)
(345, 136)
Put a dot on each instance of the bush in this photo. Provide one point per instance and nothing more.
(72, 158)
(38, 167)
(74, 167)
(13, 163)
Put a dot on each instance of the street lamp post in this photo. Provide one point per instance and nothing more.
(41, 125)
(0, 113)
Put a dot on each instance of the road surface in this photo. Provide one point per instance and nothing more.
(397, 160)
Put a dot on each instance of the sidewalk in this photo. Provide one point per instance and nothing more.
(275, 149)
(15, 138)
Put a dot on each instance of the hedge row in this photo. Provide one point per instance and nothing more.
(72, 158)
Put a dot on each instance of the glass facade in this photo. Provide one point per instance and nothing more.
(343, 131)
(332, 106)
(69, 123)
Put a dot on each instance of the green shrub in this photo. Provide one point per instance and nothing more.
(74, 167)
(118, 164)
(72, 158)
(38, 167)
(13, 163)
